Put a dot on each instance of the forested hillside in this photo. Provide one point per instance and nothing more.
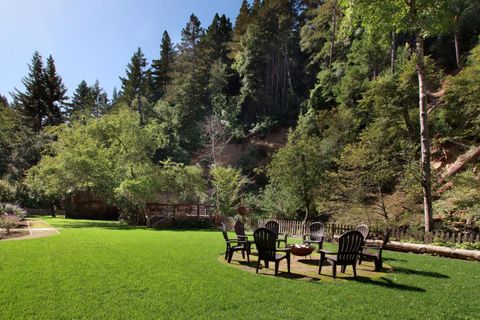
(382, 99)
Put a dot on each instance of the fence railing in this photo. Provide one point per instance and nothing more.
(177, 210)
(43, 212)
(297, 228)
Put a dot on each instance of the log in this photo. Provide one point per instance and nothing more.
(435, 250)
(471, 155)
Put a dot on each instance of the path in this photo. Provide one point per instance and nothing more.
(37, 228)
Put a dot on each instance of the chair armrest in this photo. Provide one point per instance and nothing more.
(327, 251)
(304, 237)
(284, 249)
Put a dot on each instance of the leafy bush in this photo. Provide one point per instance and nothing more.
(251, 158)
(7, 190)
(8, 222)
(228, 183)
(12, 209)
(462, 202)
(465, 245)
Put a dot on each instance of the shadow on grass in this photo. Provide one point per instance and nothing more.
(394, 259)
(421, 273)
(114, 225)
(281, 274)
(386, 283)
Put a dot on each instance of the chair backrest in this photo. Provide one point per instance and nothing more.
(223, 229)
(239, 228)
(363, 229)
(273, 226)
(349, 245)
(265, 241)
(317, 230)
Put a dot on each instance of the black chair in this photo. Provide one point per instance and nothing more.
(265, 241)
(240, 230)
(233, 245)
(349, 246)
(374, 252)
(316, 235)
(275, 227)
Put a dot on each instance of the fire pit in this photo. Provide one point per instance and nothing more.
(300, 249)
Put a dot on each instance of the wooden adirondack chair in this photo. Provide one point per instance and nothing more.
(363, 229)
(233, 245)
(265, 241)
(372, 252)
(239, 228)
(275, 227)
(349, 246)
(316, 235)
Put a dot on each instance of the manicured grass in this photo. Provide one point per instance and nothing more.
(108, 271)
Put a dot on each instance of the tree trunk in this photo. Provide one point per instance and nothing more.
(393, 53)
(140, 110)
(424, 136)
(334, 31)
(306, 198)
(456, 32)
(53, 213)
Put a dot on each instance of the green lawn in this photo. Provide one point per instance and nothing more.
(107, 271)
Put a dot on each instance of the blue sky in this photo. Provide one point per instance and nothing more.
(92, 39)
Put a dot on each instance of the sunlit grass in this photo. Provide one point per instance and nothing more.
(104, 270)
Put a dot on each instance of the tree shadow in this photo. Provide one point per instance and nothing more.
(430, 274)
(281, 274)
(386, 283)
(393, 259)
(113, 225)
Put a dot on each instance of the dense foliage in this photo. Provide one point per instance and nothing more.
(368, 88)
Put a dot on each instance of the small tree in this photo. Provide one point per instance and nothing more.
(228, 183)
(8, 222)
(299, 168)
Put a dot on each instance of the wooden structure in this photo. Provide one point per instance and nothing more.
(297, 228)
(164, 215)
(88, 205)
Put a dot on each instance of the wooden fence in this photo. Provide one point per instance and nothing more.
(297, 228)
(43, 212)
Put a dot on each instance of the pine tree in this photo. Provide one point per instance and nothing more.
(99, 99)
(81, 100)
(242, 20)
(267, 62)
(114, 96)
(31, 103)
(55, 93)
(136, 84)
(217, 39)
(188, 91)
(161, 69)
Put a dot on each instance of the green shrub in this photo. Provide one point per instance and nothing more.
(8, 222)
(12, 209)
